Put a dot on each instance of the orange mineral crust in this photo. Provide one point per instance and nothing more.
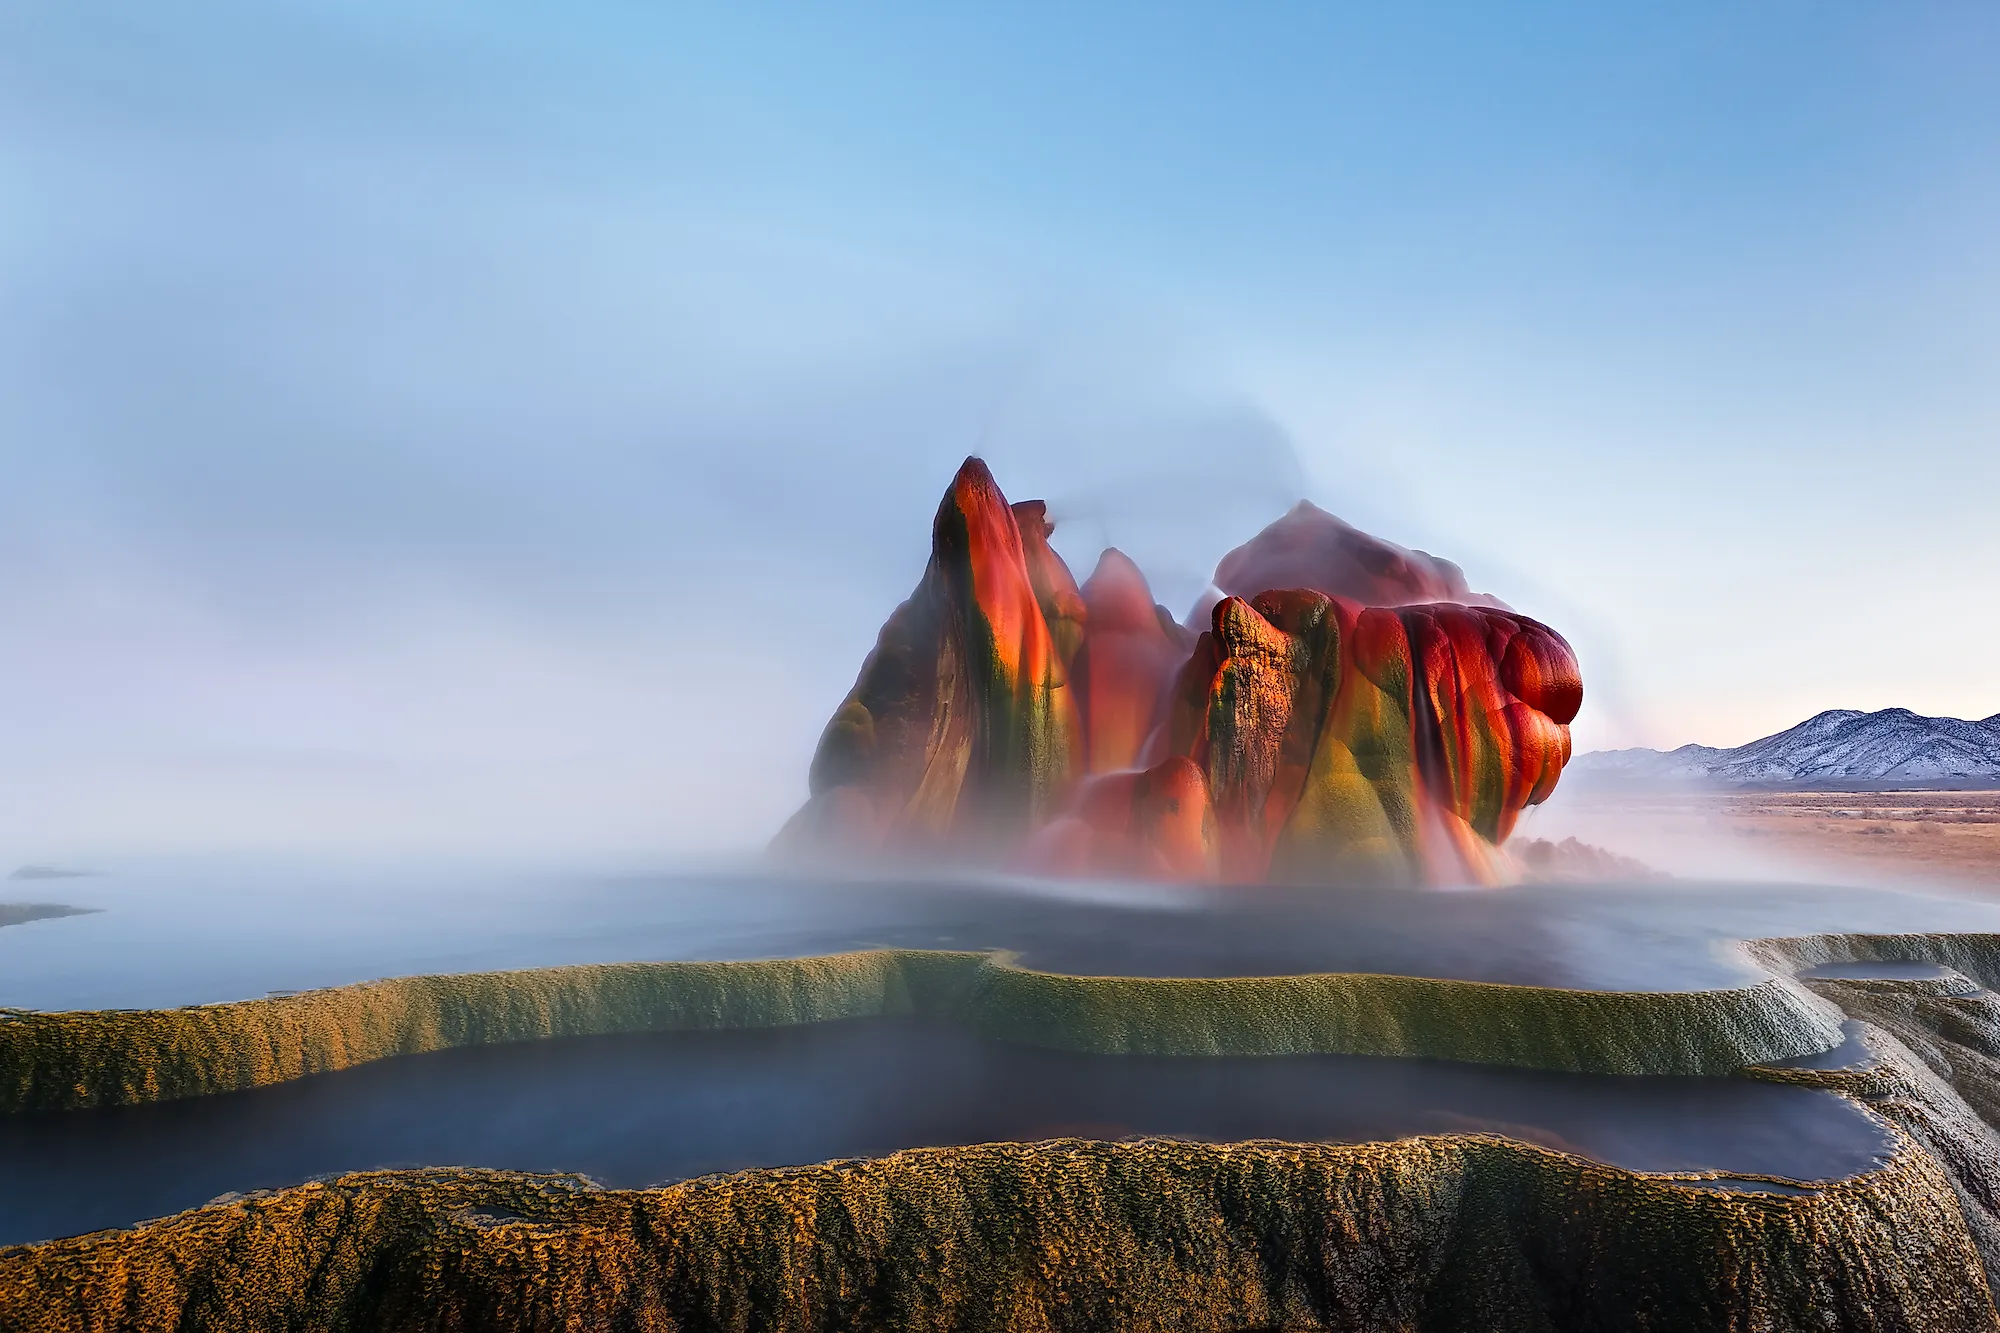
(1354, 721)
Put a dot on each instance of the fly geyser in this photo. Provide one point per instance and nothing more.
(1350, 711)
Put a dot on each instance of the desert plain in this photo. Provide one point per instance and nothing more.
(1946, 838)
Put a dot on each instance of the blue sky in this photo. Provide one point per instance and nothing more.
(446, 425)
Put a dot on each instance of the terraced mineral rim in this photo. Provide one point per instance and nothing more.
(1974, 954)
(1456, 1232)
(1453, 1232)
(53, 1061)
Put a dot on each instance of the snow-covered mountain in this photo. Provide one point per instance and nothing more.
(1841, 746)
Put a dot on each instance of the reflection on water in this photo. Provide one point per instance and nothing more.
(1852, 1053)
(186, 937)
(638, 1110)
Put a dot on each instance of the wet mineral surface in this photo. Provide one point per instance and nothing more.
(1152, 1110)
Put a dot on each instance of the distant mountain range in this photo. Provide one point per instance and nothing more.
(1839, 748)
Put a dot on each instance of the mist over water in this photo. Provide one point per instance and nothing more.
(639, 1110)
(189, 933)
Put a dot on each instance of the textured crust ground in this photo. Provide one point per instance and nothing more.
(1453, 1233)
(1936, 1049)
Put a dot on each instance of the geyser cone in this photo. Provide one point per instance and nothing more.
(1008, 666)
(1357, 722)
(1063, 604)
(960, 728)
(1126, 664)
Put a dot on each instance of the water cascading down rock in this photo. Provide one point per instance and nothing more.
(1351, 712)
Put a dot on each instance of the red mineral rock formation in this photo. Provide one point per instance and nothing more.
(1141, 823)
(1063, 604)
(1129, 656)
(1352, 719)
(1371, 743)
(1310, 548)
(960, 730)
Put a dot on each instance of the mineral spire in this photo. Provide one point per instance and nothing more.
(1360, 717)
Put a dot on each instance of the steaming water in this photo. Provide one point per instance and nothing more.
(638, 1110)
(179, 936)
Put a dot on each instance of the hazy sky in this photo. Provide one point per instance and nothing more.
(483, 426)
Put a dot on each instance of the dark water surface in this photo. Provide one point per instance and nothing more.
(1852, 1053)
(640, 1110)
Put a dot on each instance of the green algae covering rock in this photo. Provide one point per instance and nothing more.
(1437, 1233)
(1617, 1032)
(1441, 1233)
(53, 1061)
